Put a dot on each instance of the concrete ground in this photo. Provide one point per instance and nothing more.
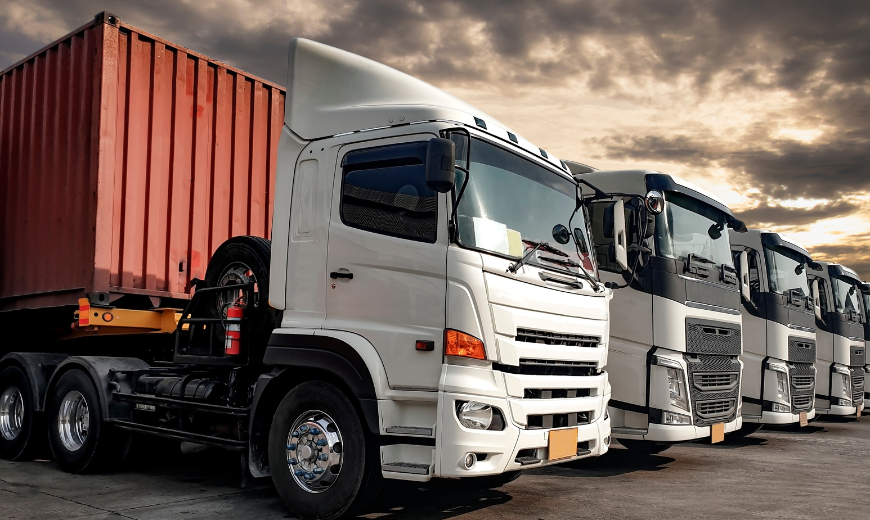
(820, 471)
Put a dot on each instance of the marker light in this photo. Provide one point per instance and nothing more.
(460, 344)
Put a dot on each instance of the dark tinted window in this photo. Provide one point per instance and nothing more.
(384, 190)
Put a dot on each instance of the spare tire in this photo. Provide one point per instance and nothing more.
(238, 261)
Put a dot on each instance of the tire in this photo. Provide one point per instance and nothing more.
(644, 447)
(243, 259)
(87, 443)
(355, 487)
(19, 424)
(492, 481)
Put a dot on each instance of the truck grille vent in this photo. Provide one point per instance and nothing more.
(705, 338)
(801, 350)
(802, 403)
(557, 420)
(716, 409)
(713, 370)
(857, 385)
(714, 381)
(857, 357)
(560, 393)
(546, 367)
(544, 337)
(802, 382)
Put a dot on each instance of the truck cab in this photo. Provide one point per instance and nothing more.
(676, 335)
(779, 345)
(840, 346)
(865, 305)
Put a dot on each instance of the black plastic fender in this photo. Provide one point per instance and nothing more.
(39, 368)
(289, 352)
(102, 371)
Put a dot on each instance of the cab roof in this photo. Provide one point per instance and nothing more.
(331, 91)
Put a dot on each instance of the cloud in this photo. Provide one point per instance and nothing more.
(763, 215)
(853, 253)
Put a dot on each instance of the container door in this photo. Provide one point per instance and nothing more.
(387, 257)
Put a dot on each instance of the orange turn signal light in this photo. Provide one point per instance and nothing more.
(460, 344)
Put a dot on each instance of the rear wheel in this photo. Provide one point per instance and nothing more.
(18, 431)
(80, 440)
(645, 447)
(323, 463)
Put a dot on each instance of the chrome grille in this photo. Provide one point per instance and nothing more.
(714, 381)
(706, 337)
(716, 409)
(857, 385)
(544, 337)
(555, 393)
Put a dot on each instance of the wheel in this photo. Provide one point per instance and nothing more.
(18, 424)
(79, 438)
(645, 447)
(492, 481)
(746, 430)
(242, 260)
(323, 463)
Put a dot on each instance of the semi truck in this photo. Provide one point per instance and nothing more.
(840, 348)
(779, 345)
(676, 335)
(865, 303)
(361, 278)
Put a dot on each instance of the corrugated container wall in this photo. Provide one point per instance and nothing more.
(125, 161)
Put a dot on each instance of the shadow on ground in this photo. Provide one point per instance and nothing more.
(617, 461)
(407, 500)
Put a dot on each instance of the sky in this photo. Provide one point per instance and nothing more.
(765, 103)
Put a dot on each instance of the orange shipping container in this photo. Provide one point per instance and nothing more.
(125, 161)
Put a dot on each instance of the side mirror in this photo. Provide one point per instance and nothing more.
(743, 266)
(441, 165)
(614, 227)
(817, 301)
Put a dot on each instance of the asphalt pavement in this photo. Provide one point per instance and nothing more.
(820, 471)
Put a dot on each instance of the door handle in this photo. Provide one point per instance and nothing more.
(336, 275)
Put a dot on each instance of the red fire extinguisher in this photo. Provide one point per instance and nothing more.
(232, 343)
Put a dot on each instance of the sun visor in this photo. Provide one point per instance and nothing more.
(775, 239)
(665, 182)
(331, 91)
(843, 272)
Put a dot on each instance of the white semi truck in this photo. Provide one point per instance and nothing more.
(421, 311)
(840, 348)
(779, 340)
(865, 303)
(676, 326)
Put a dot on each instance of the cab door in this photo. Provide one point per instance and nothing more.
(387, 257)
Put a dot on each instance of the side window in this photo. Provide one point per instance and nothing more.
(754, 276)
(383, 190)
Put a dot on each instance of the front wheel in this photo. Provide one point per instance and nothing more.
(645, 447)
(18, 431)
(323, 463)
(80, 440)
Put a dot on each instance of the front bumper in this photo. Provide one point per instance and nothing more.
(669, 433)
(781, 418)
(500, 449)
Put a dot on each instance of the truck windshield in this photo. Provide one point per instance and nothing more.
(866, 296)
(684, 228)
(510, 199)
(786, 270)
(845, 295)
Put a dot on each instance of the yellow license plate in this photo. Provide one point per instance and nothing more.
(804, 420)
(563, 443)
(717, 433)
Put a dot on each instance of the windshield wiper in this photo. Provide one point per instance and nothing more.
(514, 267)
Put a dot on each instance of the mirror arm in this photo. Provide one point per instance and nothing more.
(453, 225)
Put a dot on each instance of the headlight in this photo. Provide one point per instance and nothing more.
(847, 385)
(782, 387)
(677, 388)
(479, 416)
(676, 418)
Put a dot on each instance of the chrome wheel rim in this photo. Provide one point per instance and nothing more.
(73, 421)
(236, 273)
(314, 451)
(11, 413)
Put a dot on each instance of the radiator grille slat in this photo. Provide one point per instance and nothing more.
(543, 337)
